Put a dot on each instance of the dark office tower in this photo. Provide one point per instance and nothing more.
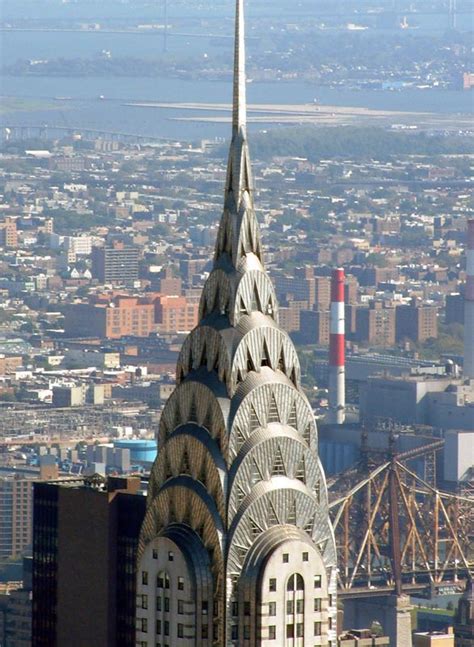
(85, 540)
(237, 547)
(117, 262)
(454, 311)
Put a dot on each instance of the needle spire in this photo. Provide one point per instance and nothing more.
(239, 109)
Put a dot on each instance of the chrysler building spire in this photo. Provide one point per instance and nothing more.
(236, 548)
(239, 108)
(238, 231)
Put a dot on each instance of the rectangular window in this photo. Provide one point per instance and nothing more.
(235, 632)
(272, 609)
(155, 553)
(299, 606)
(205, 631)
(330, 600)
(317, 604)
(246, 608)
(286, 558)
(272, 632)
(144, 625)
(158, 627)
(305, 557)
(317, 581)
(170, 556)
(290, 631)
(289, 607)
(145, 577)
(330, 623)
(180, 583)
(158, 604)
(299, 630)
(160, 582)
(204, 607)
(167, 628)
(180, 630)
(247, 633)
(180, 607)
(317, 628)
(167, 604)
(272, 585)
(144, 601)
(235, 608)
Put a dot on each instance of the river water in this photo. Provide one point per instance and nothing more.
(84, 109)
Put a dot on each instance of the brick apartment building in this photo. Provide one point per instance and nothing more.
(416, 322)
(304, 286)
(120, 316)
(9, 364)
(175, 314)
(375, 324)
(129, 316)
(290, 315)
(314, 326)
(8, 233)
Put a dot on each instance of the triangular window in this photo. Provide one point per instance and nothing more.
(185, 464)
(278, 462)
(291, 519)
(273, 414)
(272, 515)
(301, 470)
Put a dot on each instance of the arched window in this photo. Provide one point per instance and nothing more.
(294, 611)
(163, 580)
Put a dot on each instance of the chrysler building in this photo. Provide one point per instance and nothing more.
(237, 547)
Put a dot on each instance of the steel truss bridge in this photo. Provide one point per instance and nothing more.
(397, 533)
(49, 131)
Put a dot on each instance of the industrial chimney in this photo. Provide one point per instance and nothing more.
(337, 371)
(469, 304)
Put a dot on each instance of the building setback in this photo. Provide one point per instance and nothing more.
(84, 550)
(237, 548)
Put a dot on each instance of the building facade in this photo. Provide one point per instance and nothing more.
(237, 547)
(16, 515)
(314, 327)
(464, 619)
(375, 324)
(84, 550)
(416, 322)
(106, 318)
(8, 233)
(175, 313)
(115, 263)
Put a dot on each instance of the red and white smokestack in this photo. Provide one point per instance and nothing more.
(337, 370)
(469, 304)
